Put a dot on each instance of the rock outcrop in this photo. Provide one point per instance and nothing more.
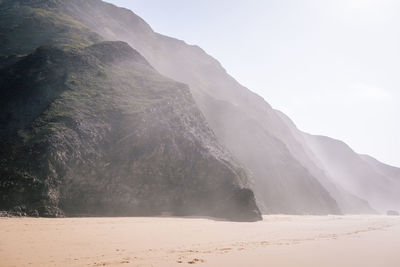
(242, 121)
(393, 213)
(289, 171)
(93, 129)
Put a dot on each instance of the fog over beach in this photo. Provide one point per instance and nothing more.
(124, 146)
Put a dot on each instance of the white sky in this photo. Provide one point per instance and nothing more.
(332, 66)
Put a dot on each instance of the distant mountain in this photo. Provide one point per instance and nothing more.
(299, 146)
(89, 127)
(363, 176)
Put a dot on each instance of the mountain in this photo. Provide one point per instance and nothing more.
(288, 170)
(89, 127)
(242, 121)
(363, 176)
(288, 175)
(301, 148)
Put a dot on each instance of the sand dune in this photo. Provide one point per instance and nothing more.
(276, 241)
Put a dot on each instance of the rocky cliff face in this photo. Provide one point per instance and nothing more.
(92, 128)
(242, 121)
(288, 175)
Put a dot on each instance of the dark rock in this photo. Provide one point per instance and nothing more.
(241, 199)
(128, 142)
(393, 213)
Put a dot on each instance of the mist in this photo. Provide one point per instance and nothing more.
(331, 66)
(122, 144)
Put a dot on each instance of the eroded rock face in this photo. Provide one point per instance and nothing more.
(289, 176)
(242, 121)
(105, 134)
(282, 185)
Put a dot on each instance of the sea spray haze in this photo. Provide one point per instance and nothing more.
(116, 137)
(288, 175)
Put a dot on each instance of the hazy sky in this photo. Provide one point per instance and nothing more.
(332, 66)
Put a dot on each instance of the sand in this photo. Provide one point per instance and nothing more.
(276, 241)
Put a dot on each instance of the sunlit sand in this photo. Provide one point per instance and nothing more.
(276, 241)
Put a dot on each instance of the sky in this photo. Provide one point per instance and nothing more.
(332, 66)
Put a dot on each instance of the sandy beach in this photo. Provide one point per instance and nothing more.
(275, 241)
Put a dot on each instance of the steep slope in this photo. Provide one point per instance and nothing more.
(279, 178)
(387, 170)
(297, 143)
(288, 174)
(25, 25)
(242, 121)
(95, 130)
(289, 177)
(360, 175)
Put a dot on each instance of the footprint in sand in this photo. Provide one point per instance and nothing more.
(224, 250)
(194, 261)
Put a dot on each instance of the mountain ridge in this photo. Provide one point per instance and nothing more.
(205, 75)
(206, 82)
(116, 138)
(286, 172)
